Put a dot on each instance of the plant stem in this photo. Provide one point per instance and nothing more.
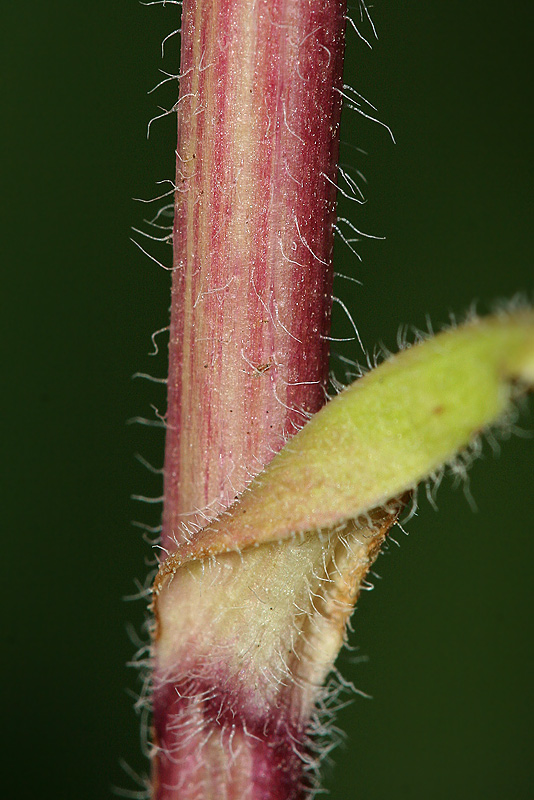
(258, 141)
(258, 123)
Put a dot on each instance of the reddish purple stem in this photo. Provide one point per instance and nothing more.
(258, 141)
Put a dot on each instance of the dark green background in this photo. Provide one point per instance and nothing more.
(448, 630)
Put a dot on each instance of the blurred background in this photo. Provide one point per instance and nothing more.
(445, 640)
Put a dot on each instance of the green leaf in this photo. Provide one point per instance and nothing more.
(380, 437)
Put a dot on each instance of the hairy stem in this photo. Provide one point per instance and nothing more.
(258, 122)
